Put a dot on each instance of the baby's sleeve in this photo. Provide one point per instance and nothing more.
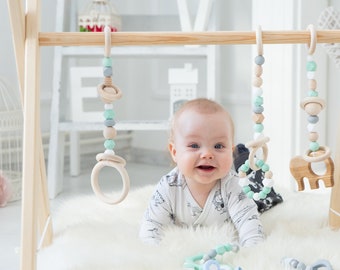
(244, 214)
(158, 215)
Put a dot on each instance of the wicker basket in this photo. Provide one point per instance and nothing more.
(11, 126)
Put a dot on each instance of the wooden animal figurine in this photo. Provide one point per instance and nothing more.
(300, 169)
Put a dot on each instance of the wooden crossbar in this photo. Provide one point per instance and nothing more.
(184, 38)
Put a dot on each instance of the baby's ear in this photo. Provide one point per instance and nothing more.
(172, 150)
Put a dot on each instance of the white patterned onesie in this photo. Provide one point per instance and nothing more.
(172, 203)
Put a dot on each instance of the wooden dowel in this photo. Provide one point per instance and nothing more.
(183, 38)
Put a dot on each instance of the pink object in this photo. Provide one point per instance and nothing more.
(5, 190)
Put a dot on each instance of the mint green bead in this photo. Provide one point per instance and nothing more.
(258, 128)
(311, 66)
(259, 163)
(244, 168)
(247, 163)
(109, 114)
(107, 62)
(258, 101)
(314, 146)
(109, 144)
(313, 93)
(265, 167)
(262, 195)
(266, 190)
(250, 194)
(246, 189)
(228, 247)
(220, 250)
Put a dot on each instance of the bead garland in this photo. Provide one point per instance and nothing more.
(208, 260)
(312, 104)
(109, 93)
(259, 139)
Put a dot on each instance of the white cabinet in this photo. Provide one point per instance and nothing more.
(150, 16)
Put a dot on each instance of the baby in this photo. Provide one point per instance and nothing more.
(202, 190)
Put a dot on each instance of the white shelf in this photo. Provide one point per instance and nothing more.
(187, 51)
(122, 125)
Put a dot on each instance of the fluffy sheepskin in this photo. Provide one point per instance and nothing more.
(91, 235)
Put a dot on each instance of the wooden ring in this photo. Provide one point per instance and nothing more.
(325, 155)
(254, 146)
(95, 184)
(108, 94)
(107, 32)
(313, 39)
(259, 42)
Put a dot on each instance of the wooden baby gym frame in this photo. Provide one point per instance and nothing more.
(27, 39)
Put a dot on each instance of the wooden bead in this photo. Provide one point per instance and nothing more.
(109, 133)
(258, 118)
(258, 70)
(312, 84)
(242, 174)
(257, 81)
(268, 175)
(313, 136)
(313, 108)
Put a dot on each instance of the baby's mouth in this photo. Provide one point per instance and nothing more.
(206, 167)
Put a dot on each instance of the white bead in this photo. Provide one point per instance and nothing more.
(257, 91)
(108, 106)
(311, 127)
(244, 181)
(310, 57)
(109, 151)
(310, 75)
(256, 196)
(258, 136)
(268, 182)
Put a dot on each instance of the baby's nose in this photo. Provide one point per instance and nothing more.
(207, 154)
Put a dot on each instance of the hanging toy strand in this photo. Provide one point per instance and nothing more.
(108, 94)
(260, 141)
(300, 167)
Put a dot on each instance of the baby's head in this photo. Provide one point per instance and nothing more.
(201, 140)
(201, 106)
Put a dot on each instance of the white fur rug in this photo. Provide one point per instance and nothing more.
(90, 235)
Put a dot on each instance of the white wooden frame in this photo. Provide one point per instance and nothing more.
(27, 42)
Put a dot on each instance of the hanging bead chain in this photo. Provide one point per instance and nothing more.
(109, 130)
(312, 104)
(259, 139)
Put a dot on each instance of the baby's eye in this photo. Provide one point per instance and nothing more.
(194, 145)
(219, 146)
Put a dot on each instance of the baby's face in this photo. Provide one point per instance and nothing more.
(202, 146)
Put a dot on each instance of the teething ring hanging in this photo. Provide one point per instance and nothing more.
(260, 140)
(95, 181)
(254, 146)
(321, 154)
(313, 39)
(301, 166)
(259, 43)
(109, 93)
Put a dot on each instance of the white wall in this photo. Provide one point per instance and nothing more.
(333, 86)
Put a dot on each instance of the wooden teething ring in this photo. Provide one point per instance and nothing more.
(119, 166)
(323, 153)
(313, 39)
(253, 146)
